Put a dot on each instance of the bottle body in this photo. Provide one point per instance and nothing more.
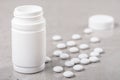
(28, 44)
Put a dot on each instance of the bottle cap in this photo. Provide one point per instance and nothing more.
(101, 22)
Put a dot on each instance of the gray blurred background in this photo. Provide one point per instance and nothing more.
(65, 17)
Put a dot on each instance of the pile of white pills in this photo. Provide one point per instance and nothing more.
(84, 46)
(69, 63)
(78, 67)
(75, 60)
(73, 49)
(57, 38)
(94, 39)
(76, 37)
(70, 43)
(94, 59)
(61, 46)
(99, 50)
(87, 31)
(95, 54)
(84, 61)
(77, 63)
(83, 55)
(64, 56)
(57, 53)
(68, 74)
(58, 69)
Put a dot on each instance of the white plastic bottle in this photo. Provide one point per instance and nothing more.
(28, 39)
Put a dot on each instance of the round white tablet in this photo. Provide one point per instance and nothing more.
(61, 46)
(70, 43)
(84, 61)
(57, 53)
(57, 38)
(94, 39)
(94, 59)
(78, 67)
(73, 49)
(68, 74)
(47, 59)
(75, 60)
(76, 36)
(101, 22)
(87, 31)
(83, 46)
(64, 56)
(58, 69)
(94, 54)
(99, 50)
(83, 55)
(69, 63)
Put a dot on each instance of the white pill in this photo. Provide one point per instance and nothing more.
(69, 63)
(87, 31)
(64, 56)
(75, 60)
(76, 36)
(78, 67)
(47, 59)
(70, 43)
(84, 46)
(57, 38)
(84, 61)
(94, 59)
(58, 69)
(83, 55)
(94, 54)
(57, 53)
(61, 46)
(99, 50)
(68, 74)
(94, 39)
(73, 49)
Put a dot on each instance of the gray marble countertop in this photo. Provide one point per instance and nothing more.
(65, 17)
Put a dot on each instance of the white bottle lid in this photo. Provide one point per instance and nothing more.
(28, 11)
(101, 22)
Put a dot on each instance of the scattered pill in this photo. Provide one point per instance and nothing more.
(47, 59)
(94, 39)
(76, 36)
(57, 38)
(83, 55)
(68, 74)
(94, 59)
(70, 43)
(94, 54)
(75, 60)
(64, 56)
(87, 31)
(78, 67)
(84, 61)
(61, 46)
(69, 63)
(73, 49)
(58, 69)
(84, 46)
(99, 50)
(57, 53)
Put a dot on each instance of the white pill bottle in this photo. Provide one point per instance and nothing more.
(28, 39)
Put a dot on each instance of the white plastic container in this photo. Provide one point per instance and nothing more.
(28, 39)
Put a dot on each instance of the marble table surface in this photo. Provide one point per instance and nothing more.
(65, 17)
